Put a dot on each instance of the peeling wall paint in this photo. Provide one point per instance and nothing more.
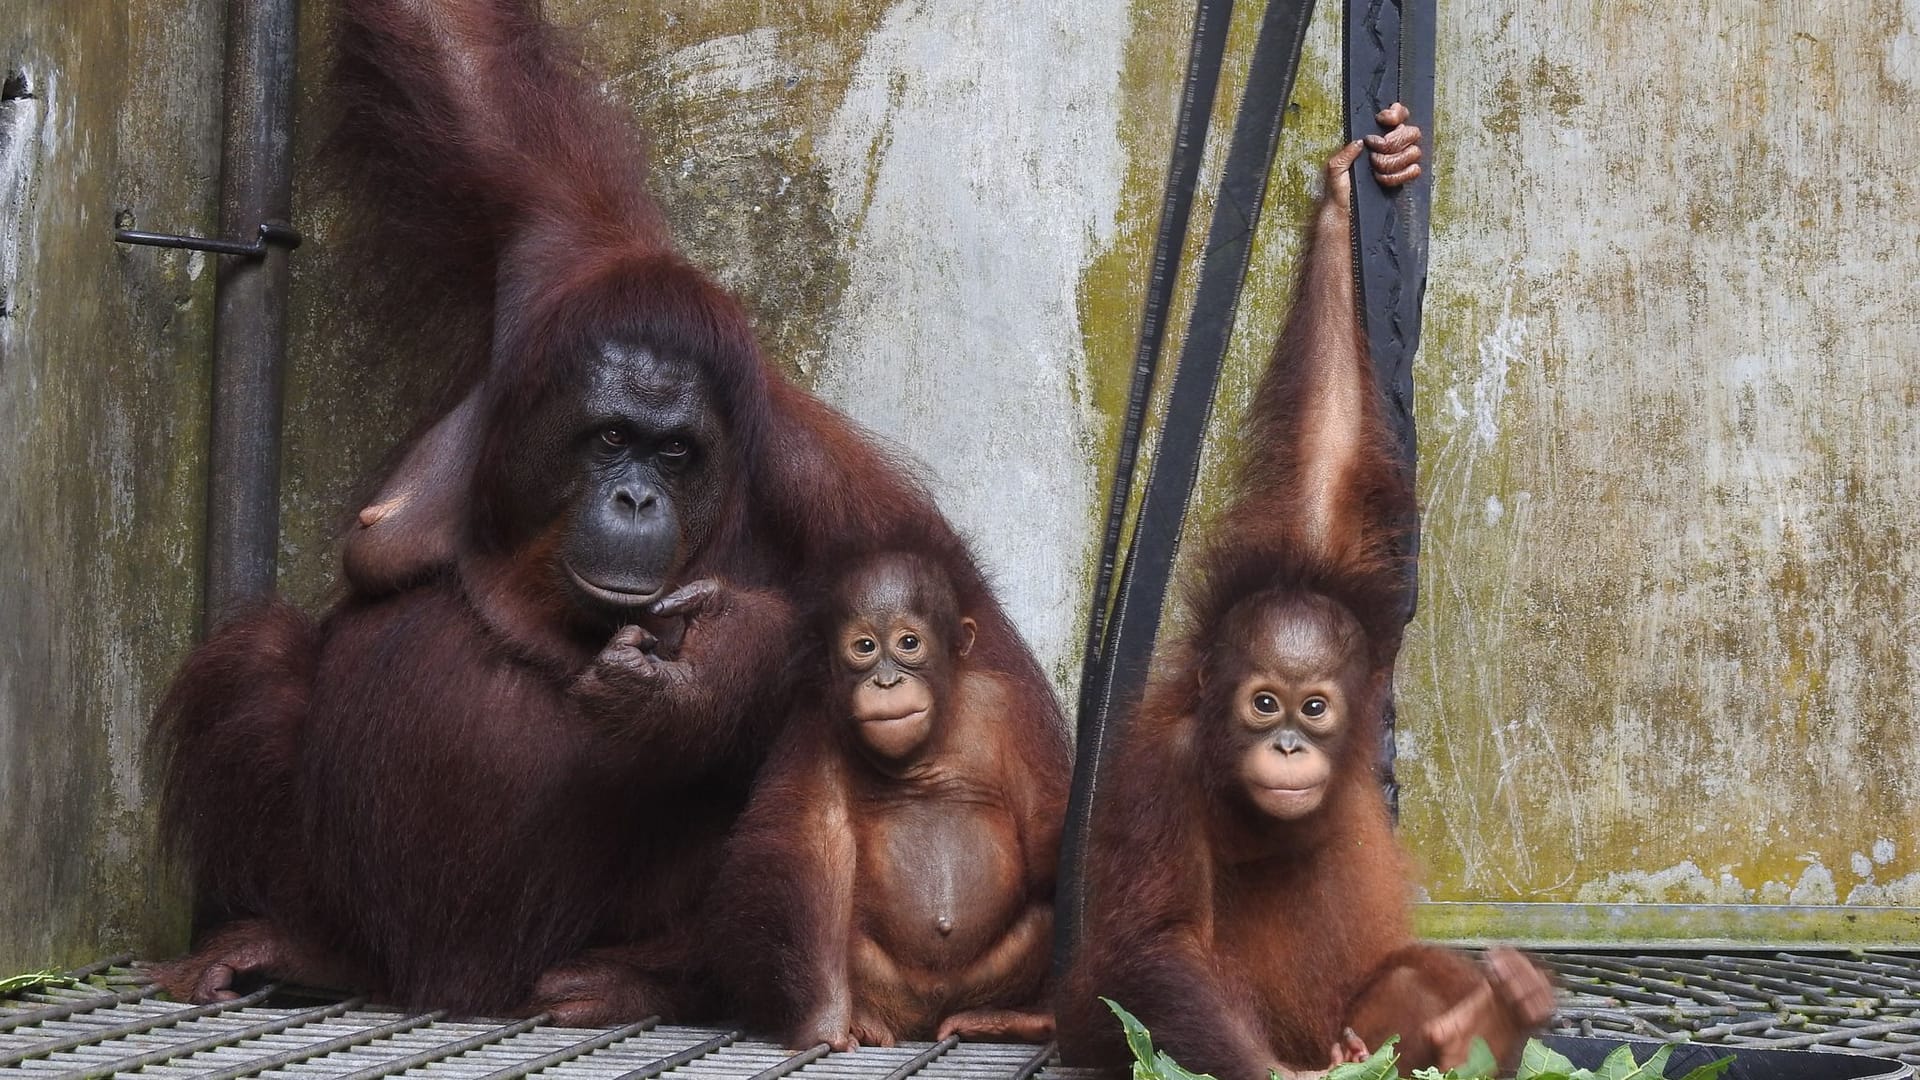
(22, 134)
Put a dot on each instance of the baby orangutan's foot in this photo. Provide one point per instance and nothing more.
(597, 991)
(870, 1032)
(1350, 1048)
(999, 1025)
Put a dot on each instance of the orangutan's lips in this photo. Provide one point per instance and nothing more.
(623, 598)
(914, 715)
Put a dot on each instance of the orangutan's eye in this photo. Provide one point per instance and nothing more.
(864, 646)
(1313, 706)
(909, 643)
(1265, 704)
(613, 436)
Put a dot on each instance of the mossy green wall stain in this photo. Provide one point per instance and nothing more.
(1112, 291)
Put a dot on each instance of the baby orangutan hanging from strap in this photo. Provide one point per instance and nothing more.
(1389, 57)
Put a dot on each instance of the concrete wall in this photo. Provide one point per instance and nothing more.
(1666, 392)
(1673, 459)
(111, 107)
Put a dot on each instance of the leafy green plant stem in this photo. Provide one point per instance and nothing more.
(15, 985)
(1537, 1062)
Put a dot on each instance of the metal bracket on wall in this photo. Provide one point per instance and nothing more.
(271, 232)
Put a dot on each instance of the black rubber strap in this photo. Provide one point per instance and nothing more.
(1118, 673)
(1197, 93)
(1389, 58)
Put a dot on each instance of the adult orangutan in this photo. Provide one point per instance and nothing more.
(893, 876)
(497, 775)
(1246, 897)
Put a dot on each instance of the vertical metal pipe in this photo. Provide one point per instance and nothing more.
(250, 319)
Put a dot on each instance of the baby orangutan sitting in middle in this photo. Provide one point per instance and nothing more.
(893, 875)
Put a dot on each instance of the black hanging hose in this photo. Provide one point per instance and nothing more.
(1389, 58)
(1120, 647)
(1176, 208)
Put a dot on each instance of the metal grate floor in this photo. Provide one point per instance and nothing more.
(109, 1025)
(1862, 1003)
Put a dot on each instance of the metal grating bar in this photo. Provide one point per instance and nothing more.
(61, 1011)
(675, 1060)
(1035, 1061)
(1026, 1063)
(132, 1027)
(322, 1049)
(447, 1050)
(65, 1001)
(88, 971)
(793, 1064)
(1843, 1035)
(573, 1050)
(277, 1024)
(920, 1060)
(1863, 1004)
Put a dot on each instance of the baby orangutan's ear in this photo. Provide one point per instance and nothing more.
(967, 630)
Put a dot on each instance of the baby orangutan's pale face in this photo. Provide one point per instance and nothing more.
(898, 650)
(893, 698)
(1292, 705)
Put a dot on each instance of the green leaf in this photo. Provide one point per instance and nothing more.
(1148, 1063)
(1382, 1065)
(1655, 1067)
(1538, 1062)
(1619, 1064)
(1480, 1063)
(1165, 1068)
(1138, 1040)
(1710, 1071)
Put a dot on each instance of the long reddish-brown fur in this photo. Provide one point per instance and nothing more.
(1239, 941)
(414, 794)
(794, 897)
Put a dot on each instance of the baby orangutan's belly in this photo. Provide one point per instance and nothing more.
(940, 885)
